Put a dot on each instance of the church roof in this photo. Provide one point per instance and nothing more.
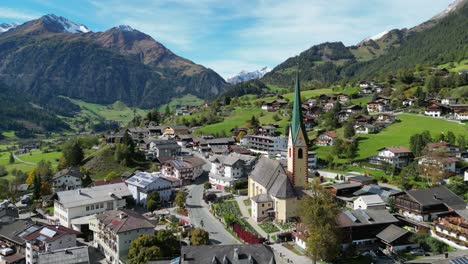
(271, 175)
(297, 121)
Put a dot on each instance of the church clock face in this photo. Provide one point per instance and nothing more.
(299, 142)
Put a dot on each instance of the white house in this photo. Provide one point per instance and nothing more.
(448, 101)
(183, 169)
(115, 230)
(75, 204)
(445, 164)
(67, 179)
(265, 145)
(433, 110)
(396, 156)
(365, 129)
(142, 183)
(369, 202)
(48, 239)
(225, 170)
(461, 114)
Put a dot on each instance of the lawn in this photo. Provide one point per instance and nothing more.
(186, 100)
(458, 66)
(268, 227)
(399, 134)
(231, 207)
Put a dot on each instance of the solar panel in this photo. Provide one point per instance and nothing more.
(48, 232)
(144, 183)
(461, 260)
(351, 216)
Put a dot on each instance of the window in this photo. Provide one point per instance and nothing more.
(87, 208)
(300, 154)
(289, 150)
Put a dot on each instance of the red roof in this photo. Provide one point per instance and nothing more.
(59, 231)
(111, 181)
(399, 149)
(330, 134)
(438, 144)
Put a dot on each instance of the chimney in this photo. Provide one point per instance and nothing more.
(236, 254)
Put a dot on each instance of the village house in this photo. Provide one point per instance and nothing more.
(366, 84)
(397, 156)
(274, 105)
(226, 170)
(8, 212)
(176, 130)
(239, 253)
(185, 170)
(343, 97)
(409, 101)
(360, 227)
(326, 139)
(115, 230)
(12, 239)
(116, 137)
(138, 133)
(433, 110)
(266, 130)
(143, 183)
(444, 148)
(72, 208)
(365, 129)
(445, 166)
(378, 106)
(385, 118)
(48, 239)
(266, 145)
(354, 109)
(369, 202)
(454, 227)
(461, 114)
(273, 189)
(343, 116)
(425, 205)
(396, 239)
(156, 131)
(71, 255)
(448, 101)
(67, 179)
(384, 192)
(366, 90)
(164, 149)
(363, 120)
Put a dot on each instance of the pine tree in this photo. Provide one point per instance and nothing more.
(12, 158)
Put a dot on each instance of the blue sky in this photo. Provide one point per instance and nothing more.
(229, 36)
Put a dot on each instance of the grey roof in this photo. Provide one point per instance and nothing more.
(167, 144)
(361, 179)
(14, 231)
(8, 210)
(341, 186)
(93, 195)
(217, 254)
(143, 179)
(365, 217)
(232, 158)
(437, 195)
(372, 199)
(392, 233)
(70, 171)
(219, 149)
(383, 192)
(262, 198)
(271, 175)
(73, 255)
(463, 213)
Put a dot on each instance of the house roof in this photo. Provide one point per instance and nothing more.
(91, 195)
(365, 217)
(373, 199)
(123, 220)
(246, 253)
(392, 233)
(330, 134)
(195, 162)
(383, 192)
(70, 171)
(437, 195)
(438, 144)
(143, 179)
(262, 198)
(16, 230)
(7, 209)
(167, 144)
(398, 149)
(50, 233)
(106, 182)
(341, 186)
(361, 179)
(72, 255)
(271, 175)
(463, 213)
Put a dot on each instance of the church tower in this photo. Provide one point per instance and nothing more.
(297, 143)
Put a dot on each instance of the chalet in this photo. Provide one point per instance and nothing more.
(67, 179)
(433, 110)
(184, 170)
(396, 156)
(427, 204)
(266, 130)
(326, 139)
(239, 150)
(324, 98)
(138, 133)
(396, 239)
(164, 148)
(328, 106)
(386, 118)
(366, 90)
(365, 129)
(183, 139)
(461, 114)
(155, 131)
(409, 102)
(369, 202)
(453, 227)
(444, 165)
(363, 120)
(377, 107)
(343, 116)
(448, 101)
(384, 192)
(343, 97)
(445, 147)
(310, 102)
(360, 227)
(314, 111)
(143, 183)
(115, 138)
(176, 130)
(443, 72)
(354, 109)
(343, 193)
(366, 84)
(274, 105)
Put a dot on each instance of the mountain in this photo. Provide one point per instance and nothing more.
(7, 26)
(53, 56)
(246, 76)
(441, 39)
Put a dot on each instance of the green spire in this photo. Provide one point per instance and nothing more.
(297, 121)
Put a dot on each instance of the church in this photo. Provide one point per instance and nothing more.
(274, 190)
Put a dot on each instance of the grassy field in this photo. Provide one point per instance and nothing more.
(186, 100)
(399, 134)
(458, 66)
(117, 111)
(34, 157)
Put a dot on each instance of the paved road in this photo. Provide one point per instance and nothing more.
(198, 211)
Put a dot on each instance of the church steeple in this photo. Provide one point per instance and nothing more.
(297, 143)
(297, 120)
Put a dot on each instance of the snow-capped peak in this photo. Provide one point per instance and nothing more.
(375, 37)
(244, 76)
(68, 26)
(126, 28)
(4, 27)
(452, 7)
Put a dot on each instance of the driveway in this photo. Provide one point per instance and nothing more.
(198, 210)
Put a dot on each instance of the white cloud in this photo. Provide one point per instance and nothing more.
(11, 13)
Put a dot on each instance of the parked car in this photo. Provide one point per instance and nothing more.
(26, 199)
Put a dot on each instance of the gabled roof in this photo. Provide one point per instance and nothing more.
(92, 195)
(16, 230)
(398, 149)
(75, 255)
(392, 233)
(372, 199)
(271, 175)
(50, 233)
(70, 171)
(436, 196)
(262, 198)
(365, 217)
(235, 254)
(123, 220)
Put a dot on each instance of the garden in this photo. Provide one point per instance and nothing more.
(229, 211)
